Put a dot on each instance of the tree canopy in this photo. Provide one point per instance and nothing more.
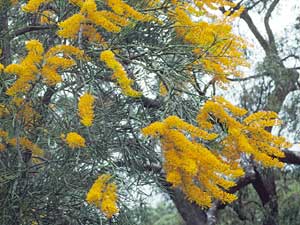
(100, 98)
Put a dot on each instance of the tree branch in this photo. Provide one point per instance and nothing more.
(290, 56)
(245, 78)
(241, 183)
(290, 158)
(27, 29)
(264, 44)
(267, 24)
(260, 188)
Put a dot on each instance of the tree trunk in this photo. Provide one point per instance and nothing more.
(4, 37)
(191, 213)
(264, 184)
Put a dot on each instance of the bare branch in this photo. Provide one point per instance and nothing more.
(294, 68)
(290, 158)
(27, 29)
(264, 44)
(267, 24)
(254, 5)
(245, 78)
(290, 56)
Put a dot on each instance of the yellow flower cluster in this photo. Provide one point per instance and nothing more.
(213, 4)
(70, 27)
(3, 140)
(74, 140)
(119, 73)
(163, 89)
(67, 50)
(3, 110)
(33, 5)
(248, 136)
(1, 66)
(189, 165)
(103, 195)
(90, 32)
(46, 17)
(123, 9)
(217, 49)
(86, 109)
(3, 134)
(2, 147)
(26, 114)
(27, 145)
(36, 62)
(109, 21)
(194, 168)
(52, 62)
(27, 69)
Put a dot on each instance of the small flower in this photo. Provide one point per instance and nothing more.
(86, 109)
(74, 140)
(103, 195)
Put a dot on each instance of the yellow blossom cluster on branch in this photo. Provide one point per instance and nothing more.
(33, 5)
(103, 194)
(46, 17)
(24, 111)
(27, 145)
(74, 140)
(37, 63)
(189, 164)
(194, 167)
(27, 70)
(86, 109)
(3, 110)
(111, 21)
(53, 62)
(119, 73)
(26, 114)
(3, 139)
(248, 135)
(217, 49)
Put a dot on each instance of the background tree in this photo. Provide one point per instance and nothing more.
(275, 88)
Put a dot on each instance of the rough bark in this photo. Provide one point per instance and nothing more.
(191, 213)
(5, 56)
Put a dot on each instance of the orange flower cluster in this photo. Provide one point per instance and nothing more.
(37, 63)
(246, 135)
(27, 70)
(86, 109)
(107, 20)
(27, 145)
(119, 73)
(103, 195)
(189, 164)
(218, 50)
(74, 140)
(3, 139)
(195, 168)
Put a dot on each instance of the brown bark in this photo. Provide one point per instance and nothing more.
(191, 213)
(5, 56)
